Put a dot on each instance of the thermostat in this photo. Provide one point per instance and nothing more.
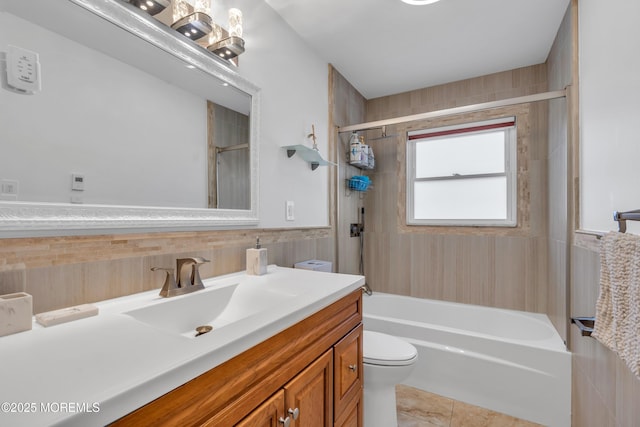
(77, 182)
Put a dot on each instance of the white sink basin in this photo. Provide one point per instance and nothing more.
(216, 307)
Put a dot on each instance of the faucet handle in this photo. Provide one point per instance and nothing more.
(195, 279)
(188, 277)
(170, 285)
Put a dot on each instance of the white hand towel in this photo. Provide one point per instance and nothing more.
(617, 322)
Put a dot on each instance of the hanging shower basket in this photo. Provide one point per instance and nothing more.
(359, 183)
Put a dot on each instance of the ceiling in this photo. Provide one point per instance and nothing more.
(384, 47)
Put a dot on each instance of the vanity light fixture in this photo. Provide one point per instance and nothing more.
(192, 21)
(152, 7)
(231, 44)
(419, 2)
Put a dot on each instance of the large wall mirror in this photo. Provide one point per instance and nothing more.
(134, 126)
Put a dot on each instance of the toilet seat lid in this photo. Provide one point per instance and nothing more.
(383, 349)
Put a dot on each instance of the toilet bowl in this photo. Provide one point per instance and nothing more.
(388, 360)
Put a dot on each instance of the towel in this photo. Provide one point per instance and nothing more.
(617, 321)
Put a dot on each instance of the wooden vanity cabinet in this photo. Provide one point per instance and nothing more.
(309, 367)
(305, 401)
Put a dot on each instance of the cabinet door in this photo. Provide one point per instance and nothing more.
(348, 370)
(309, 396)
(352, 415)
(269, 414)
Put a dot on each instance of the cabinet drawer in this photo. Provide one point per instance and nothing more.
(347, 370)
(268, 414)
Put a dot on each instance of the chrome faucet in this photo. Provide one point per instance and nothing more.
(188, 277)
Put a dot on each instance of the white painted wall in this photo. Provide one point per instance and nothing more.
(609, 112)
(294, 82)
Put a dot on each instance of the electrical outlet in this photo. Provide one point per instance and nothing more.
(289, 211)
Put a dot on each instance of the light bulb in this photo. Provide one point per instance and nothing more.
(180, 9)
(235, 22)
(203, 6)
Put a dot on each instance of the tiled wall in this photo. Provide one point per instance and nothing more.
(560, 75)
(347, 107)
(499, 267)
(65, 271)
(604, 392)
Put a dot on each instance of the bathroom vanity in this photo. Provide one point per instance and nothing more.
(309, 374)
(285, 349)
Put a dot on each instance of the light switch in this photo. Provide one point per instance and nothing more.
(289, 211)
(9, 186)
(9, 189)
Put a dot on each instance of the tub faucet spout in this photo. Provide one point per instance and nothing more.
(367, 289)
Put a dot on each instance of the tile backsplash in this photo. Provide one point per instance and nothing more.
(65, 271)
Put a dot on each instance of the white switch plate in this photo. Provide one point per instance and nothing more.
(9, 186)
(9, 190)
(289, 211)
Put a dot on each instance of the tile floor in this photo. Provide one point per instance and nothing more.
(417, 408)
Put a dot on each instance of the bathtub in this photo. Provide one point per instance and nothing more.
(508, 361)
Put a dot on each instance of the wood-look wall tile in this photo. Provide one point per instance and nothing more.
(56, 287)
(465, 266)
(588, 409)
(627, 391)
(12, 281)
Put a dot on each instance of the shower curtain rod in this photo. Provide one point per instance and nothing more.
(232, 148)
(456, 110)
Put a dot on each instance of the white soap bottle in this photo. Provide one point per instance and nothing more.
(355, 148)
(257, 260)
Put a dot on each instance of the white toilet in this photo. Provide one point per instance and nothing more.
(387, 361)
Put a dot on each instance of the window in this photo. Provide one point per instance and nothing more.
(463, 175)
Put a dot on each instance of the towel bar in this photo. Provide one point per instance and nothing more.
(622, 218)
(585, 324)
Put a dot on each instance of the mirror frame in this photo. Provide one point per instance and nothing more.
(22, 219)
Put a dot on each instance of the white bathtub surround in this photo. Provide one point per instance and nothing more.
(618, 306)
(508, 361)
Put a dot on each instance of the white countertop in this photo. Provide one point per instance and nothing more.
(92, 371)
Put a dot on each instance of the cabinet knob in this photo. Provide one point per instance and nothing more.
(285, 421)
(295, 413)
(353, 368)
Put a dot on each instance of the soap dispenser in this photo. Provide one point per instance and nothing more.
(257, 260)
